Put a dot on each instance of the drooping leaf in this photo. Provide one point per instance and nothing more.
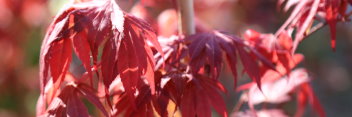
(75, 107)
(108, 62)
(92, 97)
(332, 13)
(135, 57)
(277, 91)
(277, 50)
(146, 104)
(82, 49)
(68, 102)
(207, 48)
(306, 95)
(200, 95)
(59, 58)
(306, 12)
(204, 48)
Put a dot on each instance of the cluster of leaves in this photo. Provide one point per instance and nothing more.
(306, 12)
(131, 71)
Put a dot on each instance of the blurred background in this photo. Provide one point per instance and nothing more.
(23, 24)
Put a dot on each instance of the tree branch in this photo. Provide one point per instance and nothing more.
(186, 17)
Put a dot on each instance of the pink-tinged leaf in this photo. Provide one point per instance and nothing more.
(261, 113)
(41, 105)
(290, 3)
(277, 91)
(297, 10)
(174, 52)
(305, 25)
(271, 75)
(306, 11)
(278, 50)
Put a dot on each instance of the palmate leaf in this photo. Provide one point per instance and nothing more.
(272, 75)
(277, 91)
(200, 95)
(276, 49)
(68, 102)
(85, 26)
(147, 105)
(195, 95)
(207, 48)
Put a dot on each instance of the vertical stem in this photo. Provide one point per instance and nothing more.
(186, 17)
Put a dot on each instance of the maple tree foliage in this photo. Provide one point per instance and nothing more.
(130, 70)
(305, 12)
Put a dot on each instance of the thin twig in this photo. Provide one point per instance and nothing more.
(315, 28)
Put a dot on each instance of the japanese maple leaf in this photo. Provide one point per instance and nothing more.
(146, 104)
(276, 49)
(174, 50)
(277, 91)
(68, 102)
(301, 17)
(194, 94)
(306, 11)
(273, 75)
(205, 50)
(85, 26)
